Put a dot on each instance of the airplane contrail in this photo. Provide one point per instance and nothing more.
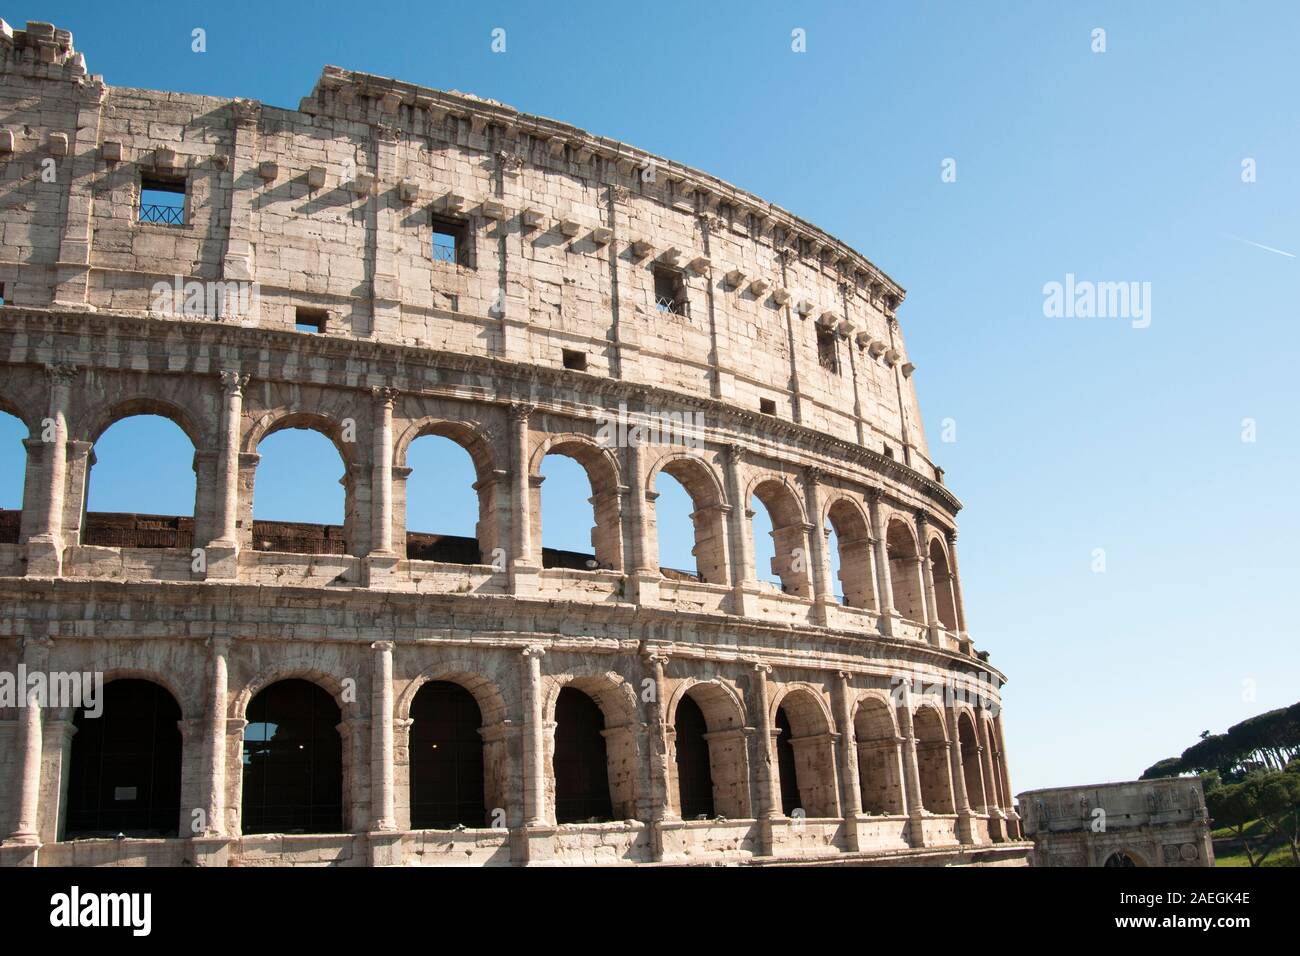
(1260, 245)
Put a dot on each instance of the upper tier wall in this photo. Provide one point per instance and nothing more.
(333, 206)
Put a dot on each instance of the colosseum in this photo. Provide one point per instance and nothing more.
(387, 262)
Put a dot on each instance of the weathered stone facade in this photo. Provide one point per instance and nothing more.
(1140, 823)
(545, 320)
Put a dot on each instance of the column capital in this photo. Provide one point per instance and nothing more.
(521, 411)
(383, 395)
(218, 645)
(233, 382)
(382, 646)
(533, 650)
(814, 474)
(761, 668)
(61, 373)
(922, 519)
(735, 454)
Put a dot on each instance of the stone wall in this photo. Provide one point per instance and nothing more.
(545, 331)
(1139, 823)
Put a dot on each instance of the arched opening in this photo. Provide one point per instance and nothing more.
(141, 486)
(709, 764)
(13, 475)
(944, 596)
(577, 519)
(905, 572)
(785, 766)
(970, 762)
(994, 785)
(446, 758)
(580, 763)
(878, 758)
(446, 518)
(788, 557)
(851, 561)
(293, 761)
(301, 493)
(124, 769)
(932, 761)
(1120, 858)
(694, 776)
(689, 522)
(805, 756)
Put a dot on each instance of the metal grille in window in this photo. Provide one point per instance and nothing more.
(162, 201)
(450, 242)
(670, 292)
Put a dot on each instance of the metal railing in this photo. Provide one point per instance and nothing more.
(164, 215)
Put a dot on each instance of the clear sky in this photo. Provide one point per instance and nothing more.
(1071, 434)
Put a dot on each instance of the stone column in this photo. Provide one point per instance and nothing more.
(385, 287)
(215, 782)
(927, 576)
(744, 592)
(769, 794)
(850, 783)
(45, 546)
(524, 566)
(237, 261)
(823, 592)
(27, 822)
(232, 389)
(534, 738)
(911, 768)
(381, 482)
(884, 587)
(640, 551)
(957, 776)
(955, 582)
(381, 695)
(77, 169)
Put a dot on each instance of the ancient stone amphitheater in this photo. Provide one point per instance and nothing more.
(387, 262)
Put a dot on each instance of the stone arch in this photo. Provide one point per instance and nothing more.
(972, 753)
(18, 466)
(322, 803)
(274, 536)
(725, 740)
(779, 495)
(617, 702)
(135, 788)
(175, 531)
(993, 783)
(853, 535)
(1121, 857)
(944, 585)
(180, 416)
(602, 470)
(708, 515)
(801, 711)
(30, 417)
(493, 711)
(905, 569)
(930, 731)
(492, 493)
(301, 667)
(875, 732)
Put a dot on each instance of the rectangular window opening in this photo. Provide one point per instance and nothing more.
(162, 199)
(307, 319)
(575, 360)
(827, 350)
(670, 291)
(767, 406)
(451, 241)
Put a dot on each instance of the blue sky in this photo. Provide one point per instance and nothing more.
(1071, 434)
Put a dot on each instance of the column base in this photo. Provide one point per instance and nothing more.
(211, 850)
(823, 611)
(524, 579)
(385, 847)
(916, 831)
(221, 559)
(966, 827)
(744, 601)
(19, 853)
(379, 568)
(643, 587)
(44, 557)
